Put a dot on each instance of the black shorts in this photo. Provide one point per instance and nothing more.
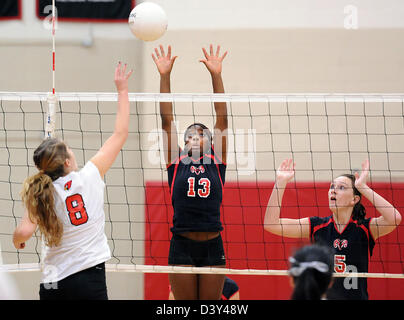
(184, 251)
(88, 284)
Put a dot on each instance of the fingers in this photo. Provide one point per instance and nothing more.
(217, 51)
(157, 55)
(120, 72)
(287, 165)
(205, 53)
(117, 70)
(211, 54)
(169, 52)
(129, 74)
(365, 165)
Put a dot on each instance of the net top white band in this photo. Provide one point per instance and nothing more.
(35, 267)
(207, 97)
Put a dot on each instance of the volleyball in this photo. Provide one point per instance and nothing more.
(148, 21)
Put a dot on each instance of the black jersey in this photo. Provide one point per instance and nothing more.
(196, 187)
(353, 248)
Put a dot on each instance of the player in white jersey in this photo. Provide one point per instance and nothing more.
(67, 205)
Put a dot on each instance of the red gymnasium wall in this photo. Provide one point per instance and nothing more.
(248, 246)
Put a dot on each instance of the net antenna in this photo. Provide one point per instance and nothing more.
(52, 99)
(51, 105)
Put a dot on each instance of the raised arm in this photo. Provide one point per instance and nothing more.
(389, 217)
(107, 154)
(292, 228)
(213, 62)
(164, 65)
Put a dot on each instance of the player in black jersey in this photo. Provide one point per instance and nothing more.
(347, 230)
(196, 176)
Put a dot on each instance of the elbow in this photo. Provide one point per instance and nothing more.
(20, 236)
(273, 228)
(267, 227)
(270, 227)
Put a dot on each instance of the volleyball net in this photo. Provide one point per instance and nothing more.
(325, 134)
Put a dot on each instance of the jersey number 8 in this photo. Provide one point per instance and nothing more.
(77, 210)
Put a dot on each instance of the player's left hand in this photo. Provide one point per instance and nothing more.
(360, 180)
(213, 61)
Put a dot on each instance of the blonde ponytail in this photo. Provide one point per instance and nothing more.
(38, 191)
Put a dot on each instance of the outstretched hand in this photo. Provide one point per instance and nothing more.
(213, 62)
(163, 62)
(360, 179)
(121, 77)
(286, 171)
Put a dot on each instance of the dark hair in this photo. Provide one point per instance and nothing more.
(359, 211)
(38, 190)
(311, 269)
(204, 128)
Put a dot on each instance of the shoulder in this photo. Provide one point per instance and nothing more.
(91, 172)
(320, 221)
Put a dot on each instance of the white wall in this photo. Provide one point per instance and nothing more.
(225, 14)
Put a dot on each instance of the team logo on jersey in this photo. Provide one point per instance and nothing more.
(68, 185)
(339, 244)
(197, 170)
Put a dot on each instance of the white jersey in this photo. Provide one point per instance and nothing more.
(79, 201)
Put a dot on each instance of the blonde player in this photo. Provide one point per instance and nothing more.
(67, 205)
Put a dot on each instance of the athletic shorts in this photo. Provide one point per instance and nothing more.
(88, 284)
(184, 251)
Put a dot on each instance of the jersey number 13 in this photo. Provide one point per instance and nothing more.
(203, 192)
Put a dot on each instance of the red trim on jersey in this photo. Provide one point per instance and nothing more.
(364, 229)
(217, 167)
(335, 225)
(172, 162)
(175, 172)
(320, 226)
(370, 230)
(218, 158)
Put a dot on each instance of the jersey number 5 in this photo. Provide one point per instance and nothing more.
(339, 263)
(77, 210)
(203, 192)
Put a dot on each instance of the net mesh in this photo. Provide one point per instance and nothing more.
(326, 135)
